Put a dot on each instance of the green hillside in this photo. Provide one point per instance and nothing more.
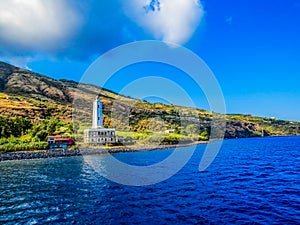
(48, 105)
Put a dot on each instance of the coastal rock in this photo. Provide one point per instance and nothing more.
(243, 130)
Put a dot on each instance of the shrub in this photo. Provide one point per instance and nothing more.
(204, 136)
(12, 147)
(42, 135)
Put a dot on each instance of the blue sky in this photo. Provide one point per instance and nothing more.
(252, 47)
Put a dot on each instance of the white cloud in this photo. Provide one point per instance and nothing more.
(168, 20)
(36, 25)
(31, 30)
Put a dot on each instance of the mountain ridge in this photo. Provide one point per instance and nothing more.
(38, 97)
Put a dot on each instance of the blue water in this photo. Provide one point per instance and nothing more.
(252, 181)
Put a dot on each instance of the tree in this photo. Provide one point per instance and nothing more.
(191, 129)
(51, 126)
(41, 135)
(15, 126)
(204, 136)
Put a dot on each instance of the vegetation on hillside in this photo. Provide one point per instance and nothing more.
(33, 106)
(20, 134)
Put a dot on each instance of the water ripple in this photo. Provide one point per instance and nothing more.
(252, 181)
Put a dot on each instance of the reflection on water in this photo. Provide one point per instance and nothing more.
(145, 170)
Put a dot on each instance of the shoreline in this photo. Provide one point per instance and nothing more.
(43, 154)
(59, 153)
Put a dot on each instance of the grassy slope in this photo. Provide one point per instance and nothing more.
(39, 97)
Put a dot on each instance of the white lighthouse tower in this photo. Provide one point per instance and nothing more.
(97, 113)
(98, 134)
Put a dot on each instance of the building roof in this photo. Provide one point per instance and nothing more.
(101, 129)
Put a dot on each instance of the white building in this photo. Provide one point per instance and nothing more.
(98, 134)
(170, 131)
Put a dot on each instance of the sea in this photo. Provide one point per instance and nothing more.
(251, 181)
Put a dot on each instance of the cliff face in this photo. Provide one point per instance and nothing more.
(25, 93)
(244, 129)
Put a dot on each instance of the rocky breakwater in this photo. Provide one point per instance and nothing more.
(38, 154)
(86, 151)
